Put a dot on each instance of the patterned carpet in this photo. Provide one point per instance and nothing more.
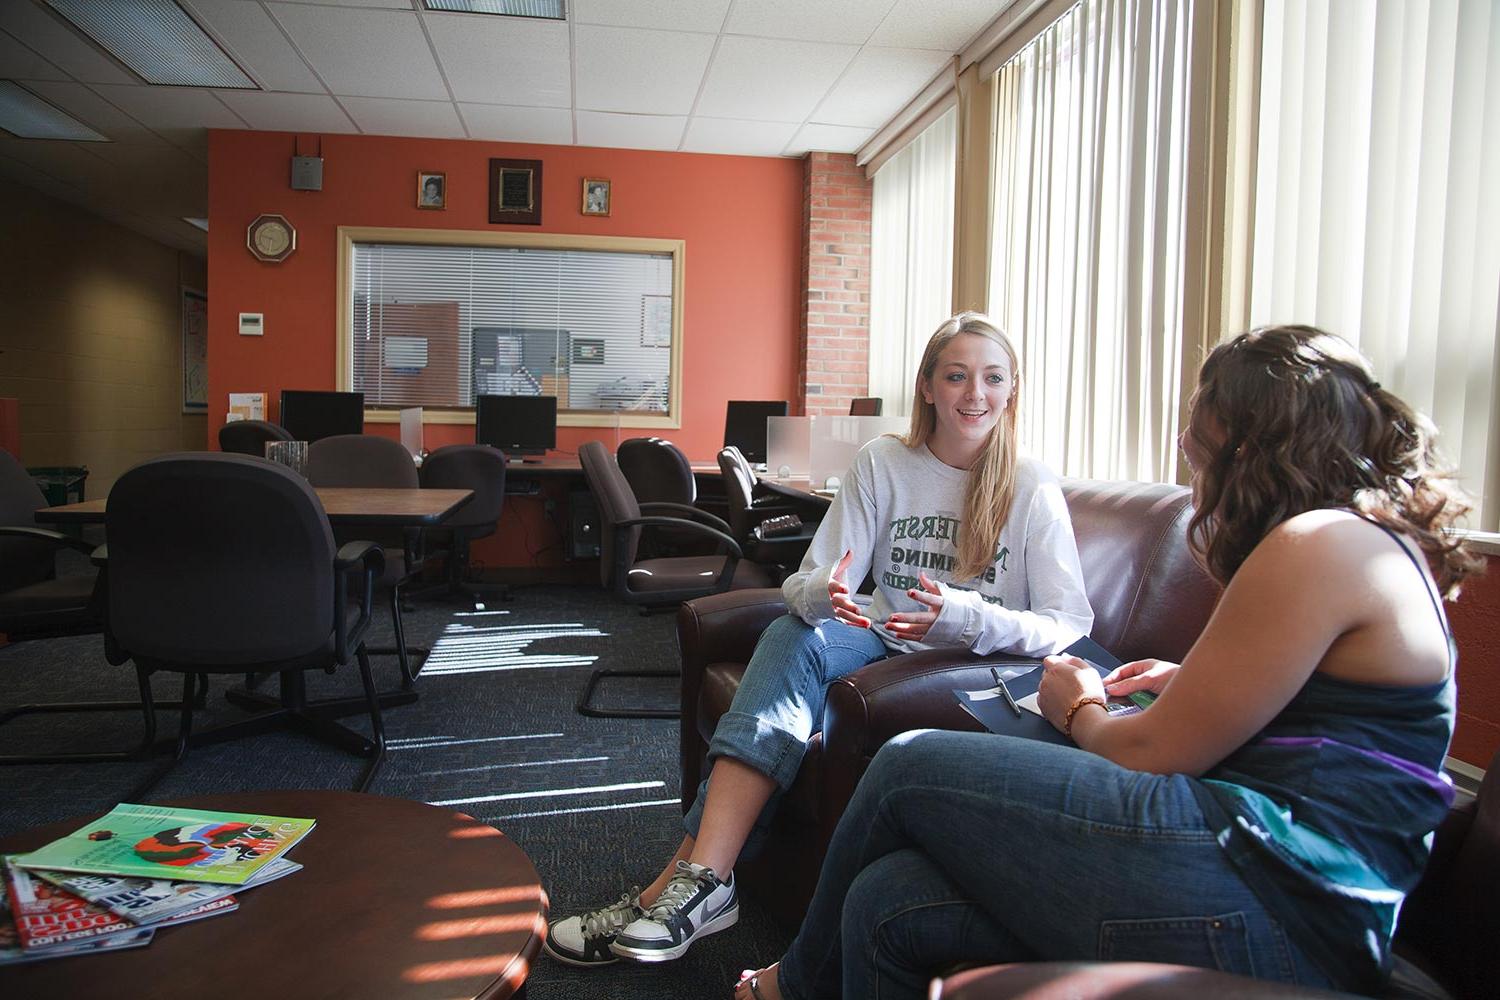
(593, 802)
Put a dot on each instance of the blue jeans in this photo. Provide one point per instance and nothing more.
(779, 705)
(976, 848)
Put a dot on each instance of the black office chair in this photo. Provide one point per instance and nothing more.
(476, 467)
(249, 437)
(866, 406)
(225, 564)
(371, 461)
(653, 583)
(36, 603)
(659, 473)
(750, 504)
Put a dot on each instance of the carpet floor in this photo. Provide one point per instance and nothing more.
(595, 803)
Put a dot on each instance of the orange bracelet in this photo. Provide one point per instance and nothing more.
(1088, 699)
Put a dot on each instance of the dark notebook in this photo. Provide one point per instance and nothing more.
(1022, 676)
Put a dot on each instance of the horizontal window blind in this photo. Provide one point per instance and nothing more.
(436, 325)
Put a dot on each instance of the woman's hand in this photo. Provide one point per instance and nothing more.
(1140, 675)
(1065, 679)
(913, 625)
(844, 608)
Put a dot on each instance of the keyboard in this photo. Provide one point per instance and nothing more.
(776, 527)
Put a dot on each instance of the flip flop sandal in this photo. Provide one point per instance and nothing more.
(754, 980)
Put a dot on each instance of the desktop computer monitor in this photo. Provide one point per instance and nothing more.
(745, 425)
(517, 425)
(309, 415)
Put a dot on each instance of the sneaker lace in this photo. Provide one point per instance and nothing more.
(679, 890)
(612, 918)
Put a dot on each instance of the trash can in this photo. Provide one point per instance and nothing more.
(60, 484)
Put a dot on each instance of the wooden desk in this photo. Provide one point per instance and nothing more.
(344, 505)
(796, 488)
(396, 899)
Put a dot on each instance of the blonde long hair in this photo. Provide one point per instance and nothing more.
(992, 478)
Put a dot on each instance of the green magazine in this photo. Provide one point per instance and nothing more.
(167, 842)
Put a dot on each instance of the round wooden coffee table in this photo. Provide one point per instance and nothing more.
(396, 899)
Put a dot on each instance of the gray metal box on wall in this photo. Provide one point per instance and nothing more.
(307, 173)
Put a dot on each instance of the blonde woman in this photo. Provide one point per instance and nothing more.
(969, 545)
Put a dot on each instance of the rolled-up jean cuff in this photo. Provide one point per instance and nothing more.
(753, 741)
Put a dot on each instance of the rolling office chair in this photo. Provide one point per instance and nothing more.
(225, 564)
(476, 467)
(36, 603)
(659, 583)
(249, 437)
(866, 406)
(659, 473)
(367, 460)
(750, 504)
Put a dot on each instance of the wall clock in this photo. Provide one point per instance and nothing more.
(271, 238)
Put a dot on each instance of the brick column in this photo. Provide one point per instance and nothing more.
(833, 360)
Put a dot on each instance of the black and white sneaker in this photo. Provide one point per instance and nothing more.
(694, 904)
(585, 939)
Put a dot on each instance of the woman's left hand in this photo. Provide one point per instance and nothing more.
(913, 625)
(1065, 679)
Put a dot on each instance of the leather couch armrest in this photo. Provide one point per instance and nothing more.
(720, 628)
(1111, 980)
(867, 708)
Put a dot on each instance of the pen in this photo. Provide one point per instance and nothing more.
(1000, 683)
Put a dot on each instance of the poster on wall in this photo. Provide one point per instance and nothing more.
(194, 351)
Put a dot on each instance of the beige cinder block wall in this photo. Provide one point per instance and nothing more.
(90, 338)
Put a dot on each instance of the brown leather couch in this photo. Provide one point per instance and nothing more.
(1150, 598)
(1449, 929)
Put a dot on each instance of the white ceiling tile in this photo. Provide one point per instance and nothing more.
(387, 4)
(675, 15)
(878, 84)
(827, 139)
(503, 124)
(763, 80)
(88, 107)
(288, 112)
(257, 44)
(640, 71)
(368, 53)
(817, 21)
(17, 62)
(385, 116)
(602, 128)
(948, 25)
(171, 107)
(503, 60)
(60, 45)
(722, 135)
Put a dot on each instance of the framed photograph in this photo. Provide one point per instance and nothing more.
(516, 192)
(194, 351)
(595, 196)
(432, 190)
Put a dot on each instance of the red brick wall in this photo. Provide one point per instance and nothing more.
(834, 341)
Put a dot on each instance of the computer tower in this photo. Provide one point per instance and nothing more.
(583, 526)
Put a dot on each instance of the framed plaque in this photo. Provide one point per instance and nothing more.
(516, 192)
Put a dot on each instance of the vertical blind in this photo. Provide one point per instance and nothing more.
(1087, 253)
(435, 325)
(1376, 209)
(911, 272)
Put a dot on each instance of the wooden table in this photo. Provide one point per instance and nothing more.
(397, 900)
(344, 505)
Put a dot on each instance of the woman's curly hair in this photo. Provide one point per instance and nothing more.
(1306, 427)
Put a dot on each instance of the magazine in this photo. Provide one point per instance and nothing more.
(11, 951)
(150, 900)
(190, 845)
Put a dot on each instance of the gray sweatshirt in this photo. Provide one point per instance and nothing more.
(899, 510)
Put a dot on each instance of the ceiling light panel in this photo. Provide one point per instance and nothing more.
(26, 115)
(551, 9)
(157, 40)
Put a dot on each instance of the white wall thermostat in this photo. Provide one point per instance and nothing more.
(252, 324)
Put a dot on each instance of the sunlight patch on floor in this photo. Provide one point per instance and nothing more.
(587, 809)
(524, 763)
(427, 742)
(627, 786)
(468, 649)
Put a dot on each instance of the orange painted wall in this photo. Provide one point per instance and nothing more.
(740, 216)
